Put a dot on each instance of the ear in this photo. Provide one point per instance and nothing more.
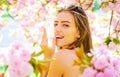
(78, 36)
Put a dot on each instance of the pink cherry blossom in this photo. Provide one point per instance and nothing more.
(103, 0)
(111, 5)
(43, 12)
(18, 69)
(91, 16)
(105, 62)
(112, 46)
(14, 61)
(89, 72)
(18, 61)
(105, 9)
(25, 55)
(17, 45)
(102, 50)
(114, 22)
(109, 72)
(115, 64)
(32, 2)
(19, 51)
(100, 74)
(101, 62)
(3, 59)
(68, 2)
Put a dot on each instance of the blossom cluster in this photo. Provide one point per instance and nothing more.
(105, 63)
(17, 60)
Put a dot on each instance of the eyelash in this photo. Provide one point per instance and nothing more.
(55, 25)
(64, 25)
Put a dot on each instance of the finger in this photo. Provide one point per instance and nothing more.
(44, 40)
(54, 43)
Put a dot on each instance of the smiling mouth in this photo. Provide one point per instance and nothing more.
(59, 37)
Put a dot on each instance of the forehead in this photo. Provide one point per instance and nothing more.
(65, 16)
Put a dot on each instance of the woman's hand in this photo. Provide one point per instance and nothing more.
(48, 50)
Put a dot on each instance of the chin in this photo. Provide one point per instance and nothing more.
(59, 45)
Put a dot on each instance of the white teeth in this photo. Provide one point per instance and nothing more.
(59, 37)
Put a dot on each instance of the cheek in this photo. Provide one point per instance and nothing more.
(71, 35)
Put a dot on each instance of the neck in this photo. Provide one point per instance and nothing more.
(80, 53)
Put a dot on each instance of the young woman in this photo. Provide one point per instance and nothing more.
(72, 34)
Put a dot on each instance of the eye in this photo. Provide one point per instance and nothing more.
(65, 25)
(55, 24)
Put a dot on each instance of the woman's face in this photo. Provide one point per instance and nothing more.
(65, 29)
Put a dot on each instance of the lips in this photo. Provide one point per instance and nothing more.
(59, 37)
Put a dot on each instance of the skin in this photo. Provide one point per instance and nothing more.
(65, 27)
(63, 65)
(2, 75)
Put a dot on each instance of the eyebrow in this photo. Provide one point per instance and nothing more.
(63, 21)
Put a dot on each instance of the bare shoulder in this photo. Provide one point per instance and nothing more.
(66, 56)
(63, 65)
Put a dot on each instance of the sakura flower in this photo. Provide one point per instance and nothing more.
(102, 0)
(67, 2)
(104, 64)
(105, 9)
(18, 61)
(17, 45)
(32, 2)
(101, 62)
(100, 74)
(3, 59)
(18, 70)
(109, 72)
(111, 6)
(25, 55)
(116, 65)
(89, 72)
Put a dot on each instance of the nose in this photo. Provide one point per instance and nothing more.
(58, 28)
